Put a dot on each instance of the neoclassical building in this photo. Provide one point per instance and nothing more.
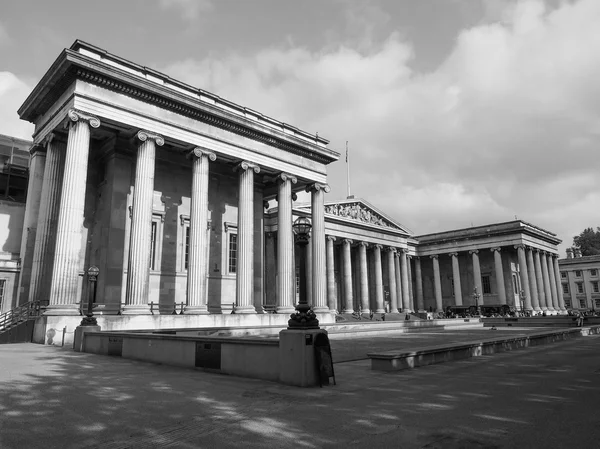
(185, 203)
(580, 280)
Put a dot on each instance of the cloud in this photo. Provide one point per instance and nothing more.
(508, 124)
(189, 9)
(13, 93)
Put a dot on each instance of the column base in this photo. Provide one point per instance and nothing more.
(282, 310)
(348, 311)
(244, 309)
(323, 309)
(195, 310)
(380, 310)
(138, 309)
(62, 309)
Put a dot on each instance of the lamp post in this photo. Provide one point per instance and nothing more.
(522, 297)
(476, 296)
(304, 317)
(89, 319)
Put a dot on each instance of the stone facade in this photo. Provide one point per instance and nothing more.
(579, 279)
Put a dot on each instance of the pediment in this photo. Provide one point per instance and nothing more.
(361, 212)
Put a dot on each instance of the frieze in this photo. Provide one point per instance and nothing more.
(358, 212)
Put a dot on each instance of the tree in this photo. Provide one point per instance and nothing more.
(588, 242)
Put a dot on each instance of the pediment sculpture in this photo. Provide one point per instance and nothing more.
(357, 211)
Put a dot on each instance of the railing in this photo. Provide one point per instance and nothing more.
(22, 313)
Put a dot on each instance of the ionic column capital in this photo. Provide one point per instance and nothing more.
(520, 246)
(391, 249)
(199, 152)
(246, 165)
(496, 249)
(283, 177)
(473, 251)
(144, 135)
(434, 256)
(347, 242)
(453, 254)
(378, 246)
(317, 186)
(363, 243)
(331, 238)
(75, 115)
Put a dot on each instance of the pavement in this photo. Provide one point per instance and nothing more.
(544, 396)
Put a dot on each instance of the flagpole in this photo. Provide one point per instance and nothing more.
(347, 169)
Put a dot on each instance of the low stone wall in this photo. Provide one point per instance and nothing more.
(247, 357)
(398, 360)
(539, 321)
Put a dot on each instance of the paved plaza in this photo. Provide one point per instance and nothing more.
(543, 396)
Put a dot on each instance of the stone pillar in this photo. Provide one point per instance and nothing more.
(319, 287)
(437, 283)
(45, 237)
(197, 265)
(331, 290)
(553, 289)
(546, 280)
(349, 296)
(524, 275)
(37, 164)
(392, 277)
(456, 278)
(477, 272)
(286, 274)
(535, 299)
(138, 274)
(398, 278)
(499, 275)
(540, 280)
(404, 275)
(419, 285)
(67, 263)
(561, 299)
(245, 269)
(364, 277)
(308, 266)
(379, 302)
(411, 297)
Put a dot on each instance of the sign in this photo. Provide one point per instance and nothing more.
(323, 359)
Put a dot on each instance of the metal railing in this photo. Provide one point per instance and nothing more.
(21, 313)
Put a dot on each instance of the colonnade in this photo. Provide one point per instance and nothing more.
(63, 201)
(397, 262)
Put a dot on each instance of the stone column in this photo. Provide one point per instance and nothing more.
(197, 265)
(535, 299)
(331, 290)
(456, 278)
(379, 302)
(244, 279)
(67, 263)
(499, 275)
(553, 289)
(364, 277)
(476, 271)
(392, 277)
(308, 266)
(419, 285)
(411, 296)
(524, 275)
(404, 275)
(540, 280)
(398, 278)
(319, 286)
(349, 296)
(559, 290)
(138, 274)
(546, 280)
(37, 164)
(437, 283)
(286, 274)
(45, 237)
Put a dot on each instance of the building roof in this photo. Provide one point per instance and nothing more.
(579, 260)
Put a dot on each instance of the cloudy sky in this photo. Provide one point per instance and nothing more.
(457, 112)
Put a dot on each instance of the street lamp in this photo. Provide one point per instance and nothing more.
(92, 274)
(303, 317)
(522, 297)
(476, 297)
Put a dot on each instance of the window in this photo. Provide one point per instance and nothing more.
(187, 246)
(567, 303)
(565, 288)
(232, 253)
(582, 304)
(593, 272)
(597, 301)
(580, 287)
(595, 287)
(578, 273)
(486, 284)
(563, 274)
(2, 285)
(452, 282)
(155, 239)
